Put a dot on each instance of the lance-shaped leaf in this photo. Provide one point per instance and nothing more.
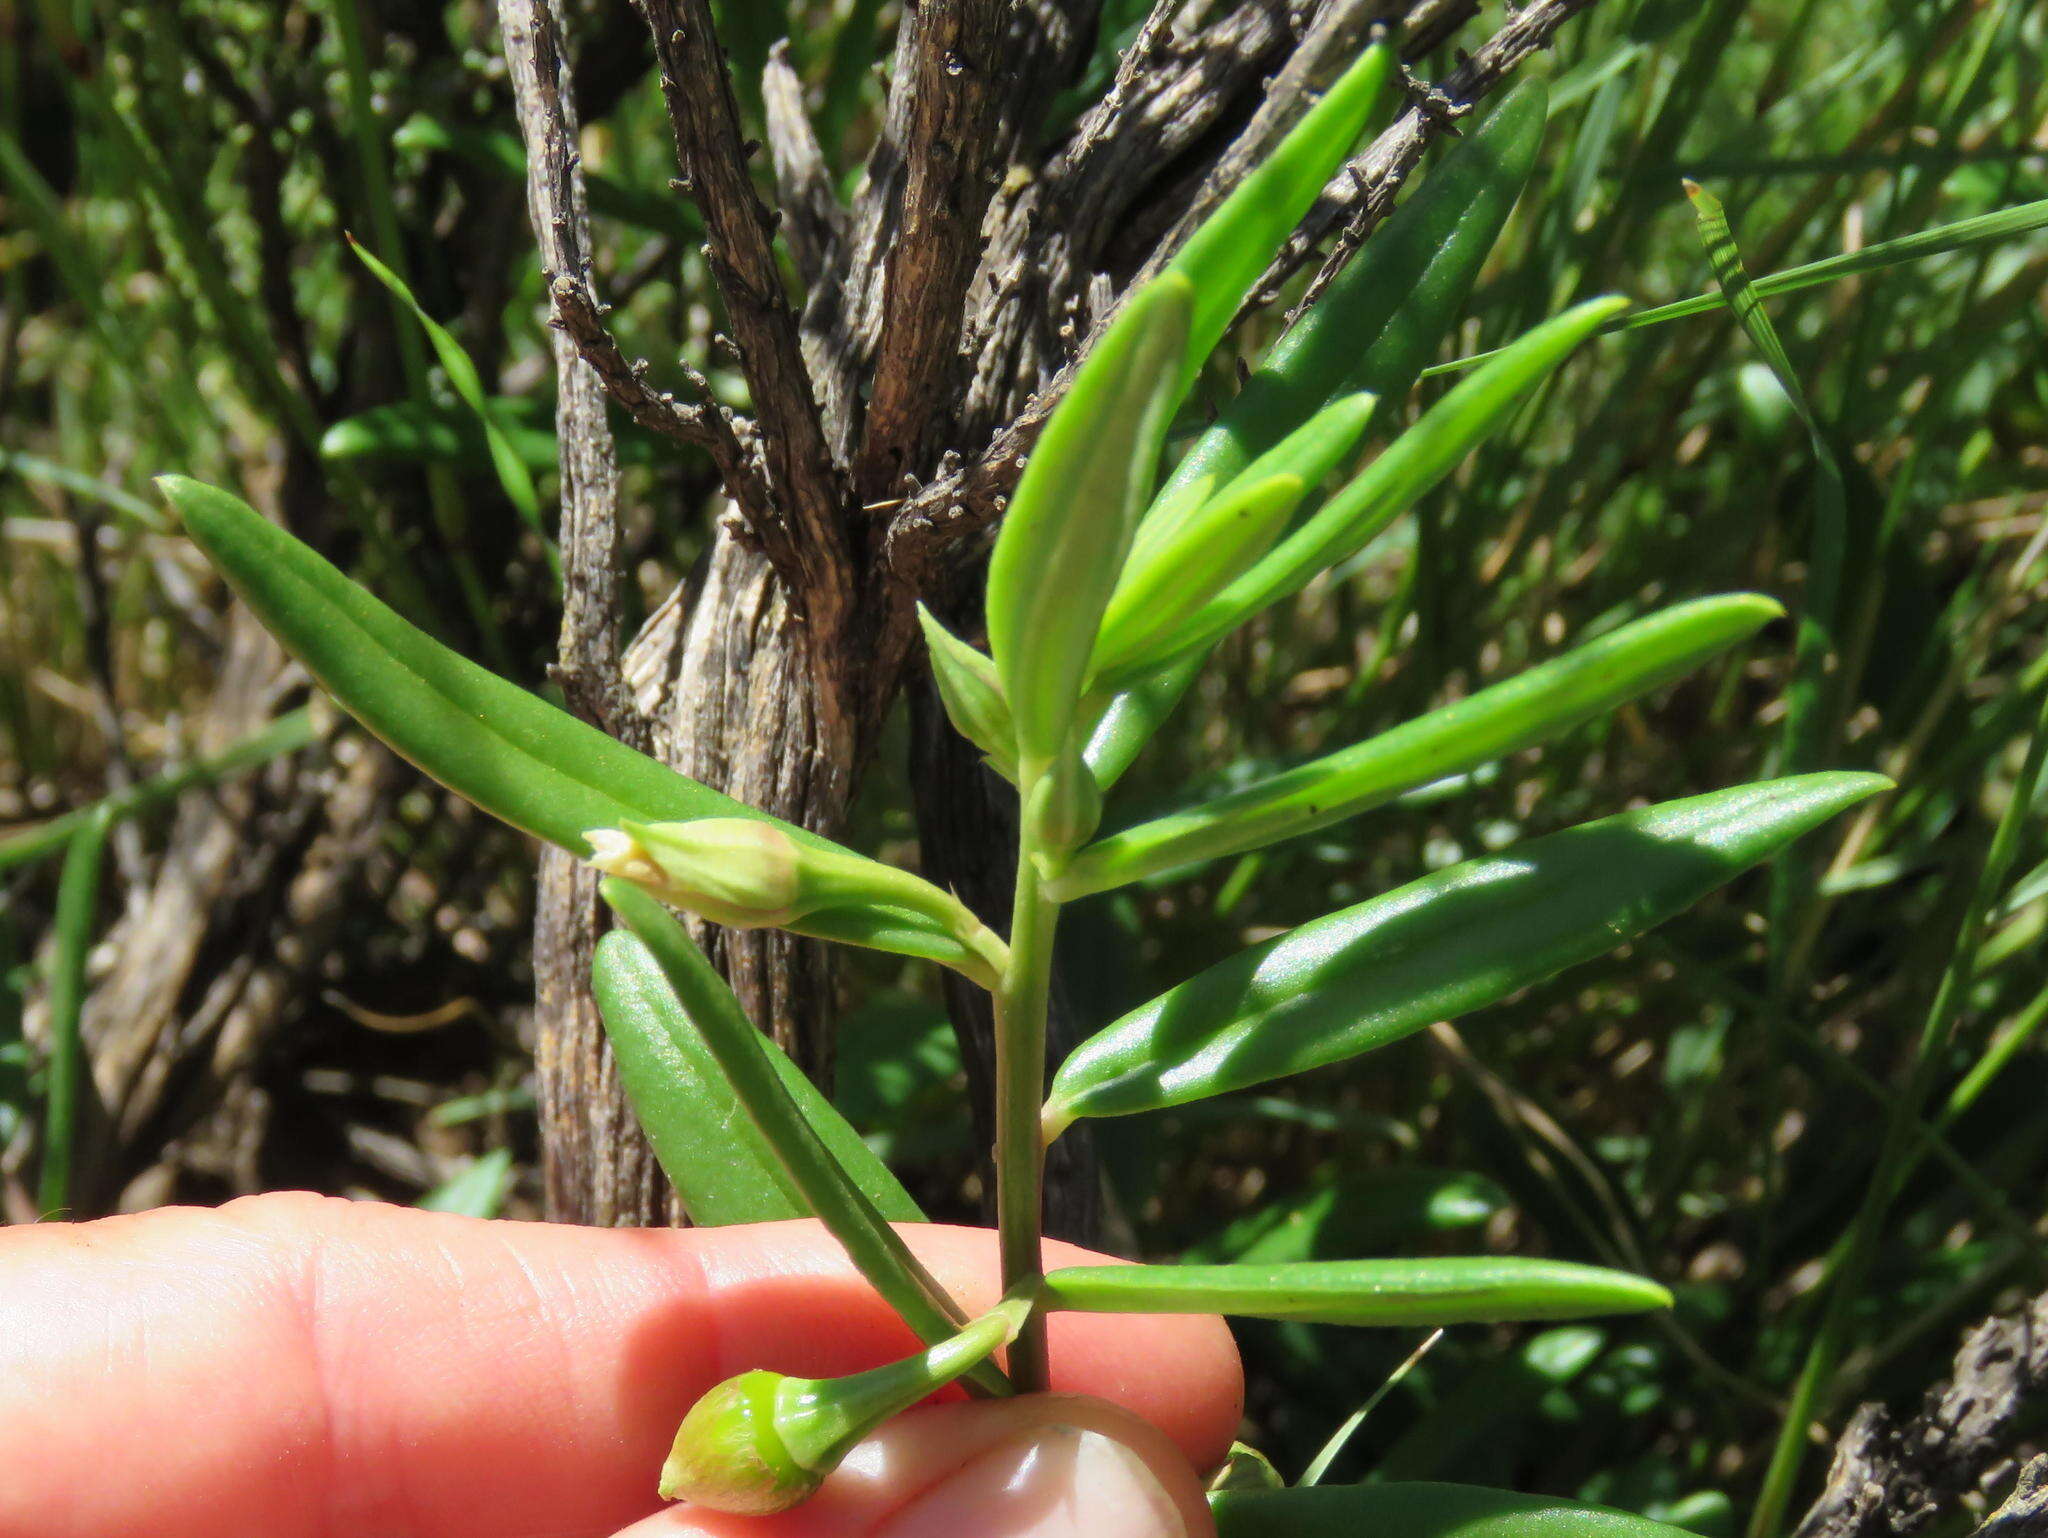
(469, 387)
(972, 694)
(1069, 525)
(1386, 312)
(1190, 547)
(1537, 705)
(710, 1149)
(1463, 1289)
(817, 1177)
(1375, 327)
(1215, 544)
(1421, 1510)
(1411, 465)
(491, 742)
(1224, 257)
(1456, 940)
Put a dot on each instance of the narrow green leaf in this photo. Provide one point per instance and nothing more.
(1245, 1468)
(1421, 1510)
(420, 432)
(1411, 465)
(1224, 257)
(814, 1173)
(713, 1154)
(1373, 330)
(1069, 526)
(2023, 219)
(1806, 711)
(31, 467)
(479, 1191)
(469, 388)
(1312, 451)
(287, 734)
(1333, 1449)
(1461, 1289)
(972, 694)
(66, 1080)
(1194, 543)
(1456, 940)
(1391, 307)
(1539, 704)
(1210, 549)
(513, 754)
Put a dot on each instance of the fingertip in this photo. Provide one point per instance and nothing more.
(1039, 1466)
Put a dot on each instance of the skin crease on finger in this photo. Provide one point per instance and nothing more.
(305, 1367)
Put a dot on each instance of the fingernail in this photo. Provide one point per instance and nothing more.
(1047, 1482)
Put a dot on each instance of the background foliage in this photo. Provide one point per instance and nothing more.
(175, 291)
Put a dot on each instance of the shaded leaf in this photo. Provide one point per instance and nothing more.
(713, 1154)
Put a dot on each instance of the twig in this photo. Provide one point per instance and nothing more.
(951, 146)
(802, 533)
(1160, 80)
(1891, 1478)
(588, 666)
(1363, 192)
(708, 426)
(814, 220)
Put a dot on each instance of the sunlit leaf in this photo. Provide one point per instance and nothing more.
(1462, 1289)
(1439, 947)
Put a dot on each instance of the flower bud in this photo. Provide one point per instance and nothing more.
(730, 1456)
(762, 1442)
(735, 871)
(746, 873)
(1065, 807)
(972, 694)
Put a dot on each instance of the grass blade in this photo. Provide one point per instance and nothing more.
(478, 1191)
(78, 901)
(468, 386)
(287, 734)
(2006, 223)
(1421, 1510)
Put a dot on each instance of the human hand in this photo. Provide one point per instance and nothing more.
(304, 1367)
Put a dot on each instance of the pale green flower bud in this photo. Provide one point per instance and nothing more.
(729, 1456)
(745, 873)
(762, 1442)
(736, 871)
(1065, 807)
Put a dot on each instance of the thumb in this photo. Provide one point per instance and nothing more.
(1041, 1466)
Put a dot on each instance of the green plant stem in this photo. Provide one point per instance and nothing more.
(78, 896)
(1020, 1088)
